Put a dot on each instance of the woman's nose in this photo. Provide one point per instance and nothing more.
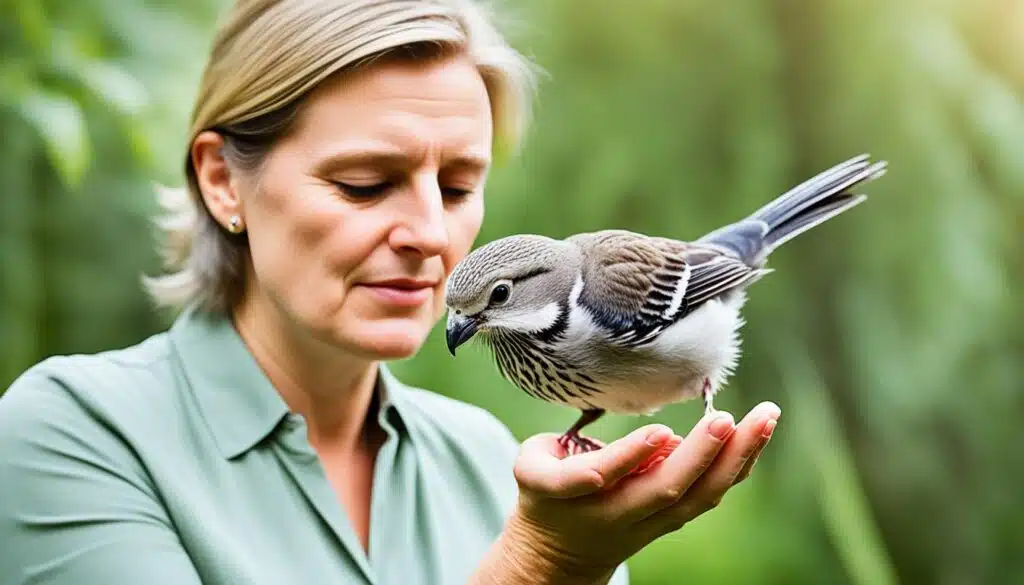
(422, 227)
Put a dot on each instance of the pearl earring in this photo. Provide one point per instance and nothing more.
(236, 224)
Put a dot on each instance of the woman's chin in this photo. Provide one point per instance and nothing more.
(392, 339)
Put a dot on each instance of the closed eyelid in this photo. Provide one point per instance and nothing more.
(362, 179)
(364, 191)
(378, 189)
(464, 178)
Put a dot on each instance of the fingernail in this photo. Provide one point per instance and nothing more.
(769, 427)
(721, 426)
(658, 437)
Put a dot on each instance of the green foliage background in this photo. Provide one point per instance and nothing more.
(892, 338)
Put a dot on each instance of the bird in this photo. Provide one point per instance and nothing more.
(615, 321)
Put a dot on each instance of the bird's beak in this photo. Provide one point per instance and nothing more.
(459, 330)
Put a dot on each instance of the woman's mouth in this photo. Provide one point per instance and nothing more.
(402, 292)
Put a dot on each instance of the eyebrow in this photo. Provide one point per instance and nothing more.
(381, 155)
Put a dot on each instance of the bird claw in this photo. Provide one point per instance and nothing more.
(709, 406)
(574, 444)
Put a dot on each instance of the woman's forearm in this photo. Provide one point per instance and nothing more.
(516, 558)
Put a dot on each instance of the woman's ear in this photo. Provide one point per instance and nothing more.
(215, 181)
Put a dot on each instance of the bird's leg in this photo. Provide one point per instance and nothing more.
(709, 400)
(572, 436)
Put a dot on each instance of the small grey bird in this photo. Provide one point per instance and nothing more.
(615, 321)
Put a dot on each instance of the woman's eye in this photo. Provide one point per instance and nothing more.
(375, 190)
(363, 191)
(455, 193)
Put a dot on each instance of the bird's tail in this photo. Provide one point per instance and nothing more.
(803, 207)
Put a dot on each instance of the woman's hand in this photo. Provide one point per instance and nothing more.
(581, 516)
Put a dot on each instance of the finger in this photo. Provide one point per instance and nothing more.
(740, 450)
(766, 435)
(541, 467)
(664, 485)
(708, 490)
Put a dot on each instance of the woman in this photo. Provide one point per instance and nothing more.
(336, 168)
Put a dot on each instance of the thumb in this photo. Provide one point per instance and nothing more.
(540, 469)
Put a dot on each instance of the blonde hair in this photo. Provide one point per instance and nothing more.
(266, 57)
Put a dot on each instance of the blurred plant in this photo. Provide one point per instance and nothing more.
(892, 338)
(93, 110)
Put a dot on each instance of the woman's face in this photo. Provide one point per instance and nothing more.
(361, 213)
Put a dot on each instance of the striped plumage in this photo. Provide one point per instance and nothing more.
(615, 321)
(534, 365)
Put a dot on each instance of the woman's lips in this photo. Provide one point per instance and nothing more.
(402, 292)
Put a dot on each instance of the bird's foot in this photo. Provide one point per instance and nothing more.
(574, 443)
(709, 400)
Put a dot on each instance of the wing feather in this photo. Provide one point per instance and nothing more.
(635, 286)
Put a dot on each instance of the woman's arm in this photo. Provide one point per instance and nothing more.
(75, 505)
(515, 560)
(579, 517)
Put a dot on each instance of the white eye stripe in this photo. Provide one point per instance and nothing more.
(538, 320)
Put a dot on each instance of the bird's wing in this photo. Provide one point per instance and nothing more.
(716, 274)
(635, 286)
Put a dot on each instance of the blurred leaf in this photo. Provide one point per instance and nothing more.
(899, 325)
(15, 83)
(841, 496)
(115, 86)
(33, 24)
(61, 124)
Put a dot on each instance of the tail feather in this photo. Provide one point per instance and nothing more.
(808, 219)
(803, 207)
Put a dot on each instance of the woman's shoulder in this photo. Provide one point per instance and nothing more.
(64, 393)
(104, 372)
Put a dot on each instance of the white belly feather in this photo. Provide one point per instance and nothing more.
(670, 369)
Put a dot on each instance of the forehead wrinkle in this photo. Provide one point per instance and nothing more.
(440, 102)
(357, 153)
(452, 139)
(439, 140)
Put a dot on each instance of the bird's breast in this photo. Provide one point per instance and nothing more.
(585, 368)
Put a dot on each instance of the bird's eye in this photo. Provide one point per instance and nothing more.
(500, 294)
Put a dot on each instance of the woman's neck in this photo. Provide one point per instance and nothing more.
(332, 391)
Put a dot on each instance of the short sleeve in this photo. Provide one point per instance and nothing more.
(75, 503)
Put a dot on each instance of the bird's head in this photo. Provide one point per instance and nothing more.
(514, 284)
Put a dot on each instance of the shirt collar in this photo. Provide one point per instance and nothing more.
(239, 404)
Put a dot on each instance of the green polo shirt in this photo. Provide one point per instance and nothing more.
(176, 462)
